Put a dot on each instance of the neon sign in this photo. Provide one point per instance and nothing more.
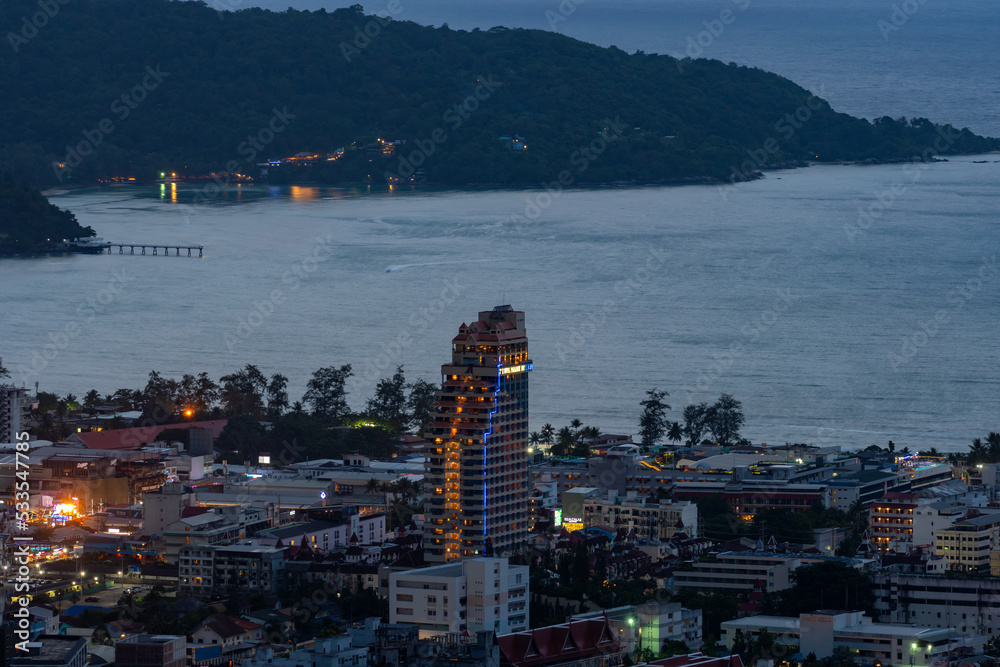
(520, 368)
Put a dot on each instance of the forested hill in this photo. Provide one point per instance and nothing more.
(27, 219)
(158, 86)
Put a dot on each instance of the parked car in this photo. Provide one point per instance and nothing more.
(91, 599)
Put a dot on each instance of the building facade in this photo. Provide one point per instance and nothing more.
(967, 544)
(204, 570)
(652, 625)
(475, 595)
(649, 520)
(151, 651)
(739, 571)
(970, 605)
(13, 411)
(890, 522)
(477, 462)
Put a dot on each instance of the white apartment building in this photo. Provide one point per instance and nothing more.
(475, 594)
(967, 543)
(13, 412)
(970, 605)
(649, 520)
(327, 535)
(219, 526)
(739, 571)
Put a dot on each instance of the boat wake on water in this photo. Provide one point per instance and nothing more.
(399, 267)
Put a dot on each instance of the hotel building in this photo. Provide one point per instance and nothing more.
(13, 413)
(477, 463)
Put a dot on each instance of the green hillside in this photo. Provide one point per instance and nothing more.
(157, 86)
(28, 220)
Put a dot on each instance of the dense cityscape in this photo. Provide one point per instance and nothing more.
(520, 333)
(203, 523)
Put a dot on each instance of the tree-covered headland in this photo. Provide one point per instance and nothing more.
(122, 88)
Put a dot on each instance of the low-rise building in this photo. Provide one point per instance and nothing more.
(970, 605)
(330, 652)
(871, 643)
(474, 595)
(52, 651)
(327, 535)
(589, 643)
(151, 651)
(651, 625)
(218, 526)
(967, 543)
(656, 521)
(740, 571)
(203, 570)
(890, 521)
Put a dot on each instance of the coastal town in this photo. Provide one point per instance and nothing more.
(195, 523)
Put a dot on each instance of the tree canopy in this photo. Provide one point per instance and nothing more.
(28, 219)
(181, 87)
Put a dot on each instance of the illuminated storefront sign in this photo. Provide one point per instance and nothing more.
(520, 368)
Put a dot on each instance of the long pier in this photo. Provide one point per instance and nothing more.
(154, 246)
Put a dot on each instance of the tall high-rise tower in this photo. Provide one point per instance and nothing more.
(476, 489)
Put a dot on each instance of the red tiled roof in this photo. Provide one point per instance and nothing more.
(555, 644)
(699, 660)
(135, 438)
(247, 625)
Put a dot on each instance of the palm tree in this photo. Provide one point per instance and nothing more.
(993, 446)
(675, 432)
(535, 439)
(405, 489)
(372, 487)
(91, 398)
(548, 434)
(977, 451)
(386, 488)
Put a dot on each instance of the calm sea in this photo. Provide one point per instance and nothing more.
(842, 304)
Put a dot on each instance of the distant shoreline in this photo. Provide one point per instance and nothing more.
(385, 187)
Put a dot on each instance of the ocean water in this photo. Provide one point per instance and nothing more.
(829, 327)
(841, 304)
